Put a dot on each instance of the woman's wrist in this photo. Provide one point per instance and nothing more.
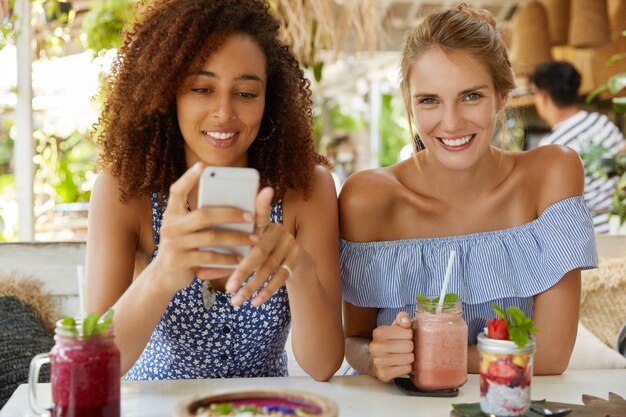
(157, 280)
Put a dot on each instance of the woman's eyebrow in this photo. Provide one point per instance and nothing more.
(243, 77)
(462, 93)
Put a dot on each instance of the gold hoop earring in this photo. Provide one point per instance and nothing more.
(271, 133)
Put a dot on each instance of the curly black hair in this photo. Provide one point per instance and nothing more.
(138, 134)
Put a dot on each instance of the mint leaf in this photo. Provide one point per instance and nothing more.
(450, 298)
(89, 324)
(248, 408)
(518, 324)
(69, 322)
(519, 335)
(423, 299)
(500, 313)
(223, 409)
(104, 323)
(431, 303)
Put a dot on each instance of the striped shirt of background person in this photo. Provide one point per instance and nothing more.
(589, 132)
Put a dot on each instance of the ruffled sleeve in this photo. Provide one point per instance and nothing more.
(517, 262)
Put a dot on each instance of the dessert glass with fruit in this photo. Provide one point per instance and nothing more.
(506, 352)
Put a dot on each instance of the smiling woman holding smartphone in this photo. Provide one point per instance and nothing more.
(197, 84)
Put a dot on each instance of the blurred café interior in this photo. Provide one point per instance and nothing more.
(352, 60)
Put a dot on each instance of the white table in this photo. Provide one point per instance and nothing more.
(355, 395)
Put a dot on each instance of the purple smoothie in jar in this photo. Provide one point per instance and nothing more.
(84, 374)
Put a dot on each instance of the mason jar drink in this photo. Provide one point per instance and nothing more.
(505, 374)
(84, 374)
(440, 340)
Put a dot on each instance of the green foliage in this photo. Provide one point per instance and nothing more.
(7, 27)
(64, 164)
(338, 120)
(616, 166)
(614, 84)
(104, 23)
(394, 129)
(592, 157)
(7, 195)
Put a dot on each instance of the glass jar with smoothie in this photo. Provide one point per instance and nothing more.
(440, 346)
(84, 371)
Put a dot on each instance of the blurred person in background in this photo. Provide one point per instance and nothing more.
(556, 85)
(342, 155)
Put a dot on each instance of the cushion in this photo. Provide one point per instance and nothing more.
(23, 332)
(591, 353)
(603, 299)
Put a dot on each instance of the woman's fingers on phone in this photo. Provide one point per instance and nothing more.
(202, 257)
(259, 253)
(206, 217)
(212, 273)
(179, 191)
(281, 274)
(266, 259)
(214, 237)
(263, 208)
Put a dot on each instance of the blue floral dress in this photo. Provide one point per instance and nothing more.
(191, 341)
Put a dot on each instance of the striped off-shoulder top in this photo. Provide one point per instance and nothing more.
(506, 266)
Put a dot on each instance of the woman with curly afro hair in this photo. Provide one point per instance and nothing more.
(209, 83)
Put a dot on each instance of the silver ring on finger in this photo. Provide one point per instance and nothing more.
(262, 226)
(287, 268)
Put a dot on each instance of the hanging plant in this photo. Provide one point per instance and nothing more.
(313, 26)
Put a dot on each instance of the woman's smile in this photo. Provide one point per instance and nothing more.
(457, 143)
(221, 139)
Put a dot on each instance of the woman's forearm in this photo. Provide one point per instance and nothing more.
(357, 353)
(317, 336)
(137, 313)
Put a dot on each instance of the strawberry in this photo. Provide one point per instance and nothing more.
(501, 372)
(497, 329)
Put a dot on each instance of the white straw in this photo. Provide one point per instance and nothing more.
(446, 280)
(82, 302)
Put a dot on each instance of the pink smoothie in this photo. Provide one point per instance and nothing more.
(440, 351)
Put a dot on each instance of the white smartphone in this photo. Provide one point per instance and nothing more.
(229, 187)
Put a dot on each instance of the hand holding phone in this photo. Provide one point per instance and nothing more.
(229, 187)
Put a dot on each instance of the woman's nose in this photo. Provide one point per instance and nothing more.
(223, 110)
(451, 119)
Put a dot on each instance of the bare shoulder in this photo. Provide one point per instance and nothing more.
(107, 204)
(366, 195)
(557, 172)
(366, 189)
(322, 197)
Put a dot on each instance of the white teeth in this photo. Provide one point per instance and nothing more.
(457, 142)
(220, 135)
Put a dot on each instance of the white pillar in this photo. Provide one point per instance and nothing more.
(375, 104)
(24, 144)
